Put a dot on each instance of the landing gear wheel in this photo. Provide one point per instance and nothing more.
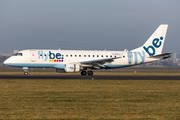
(83, 73)
(25, 73)
(90, 73)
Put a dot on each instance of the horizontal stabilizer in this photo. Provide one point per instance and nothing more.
(164, 55)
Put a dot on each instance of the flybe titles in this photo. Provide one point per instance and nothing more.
(136, 57)
(156, 43)
(52, 56)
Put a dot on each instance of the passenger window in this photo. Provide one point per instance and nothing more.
(93, 55)
(71, 55)
(75, 55)
(106, 55)
(66, 55)
(40, 55)
(97, 55)
(110, 55)
(79, 55)
(84, 55)
(101, 55)
(88, 55)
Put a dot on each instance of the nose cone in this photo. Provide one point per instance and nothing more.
(6, 62)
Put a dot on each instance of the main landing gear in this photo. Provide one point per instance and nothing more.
(83, 73)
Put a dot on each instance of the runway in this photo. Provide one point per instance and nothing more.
(96, 77)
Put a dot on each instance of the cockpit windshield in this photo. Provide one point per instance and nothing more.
(18, 54)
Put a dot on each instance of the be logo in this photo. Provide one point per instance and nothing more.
(156, 43)
(52, 56)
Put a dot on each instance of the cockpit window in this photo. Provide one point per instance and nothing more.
(18, 54)
(15, 54)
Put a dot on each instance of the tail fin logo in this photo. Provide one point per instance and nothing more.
(156, 43)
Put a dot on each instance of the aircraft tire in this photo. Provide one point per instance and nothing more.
(25, 73)
(83, 73)
(90, 73)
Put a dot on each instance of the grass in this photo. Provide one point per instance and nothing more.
(130, 73)
(90, 99)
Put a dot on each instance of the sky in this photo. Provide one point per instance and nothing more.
(86, 24)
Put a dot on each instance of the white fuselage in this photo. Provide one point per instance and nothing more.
(58, 58)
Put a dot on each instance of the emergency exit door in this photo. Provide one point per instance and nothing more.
(33, 55)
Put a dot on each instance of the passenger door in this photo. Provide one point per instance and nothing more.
(33, 55)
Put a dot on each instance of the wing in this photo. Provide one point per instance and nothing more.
(96, 63)
(99, 62)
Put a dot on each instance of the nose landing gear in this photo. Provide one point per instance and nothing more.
(25, 73)
(25, 70)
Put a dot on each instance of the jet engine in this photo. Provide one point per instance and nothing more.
(72, 68)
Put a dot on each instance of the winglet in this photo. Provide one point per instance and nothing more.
(123, 53)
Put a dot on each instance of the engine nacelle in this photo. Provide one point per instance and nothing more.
(72, 68)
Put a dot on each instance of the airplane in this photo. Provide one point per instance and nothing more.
(85, 61)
